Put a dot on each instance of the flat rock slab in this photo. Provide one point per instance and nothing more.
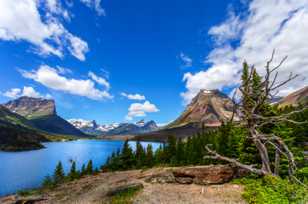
(203, 175)
(212, 174)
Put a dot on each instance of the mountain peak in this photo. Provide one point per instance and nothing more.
(209, 107)
(32, 107)
(211, 92)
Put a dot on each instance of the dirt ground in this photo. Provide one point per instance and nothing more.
(190, 194)
(94, 190)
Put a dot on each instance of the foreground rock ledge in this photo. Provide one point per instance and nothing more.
(195, 184)
(202, 175)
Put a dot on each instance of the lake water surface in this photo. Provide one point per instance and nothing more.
(25, 170)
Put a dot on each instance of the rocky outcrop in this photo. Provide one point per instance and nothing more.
(213, 174)
(202, 175)
(208, 107)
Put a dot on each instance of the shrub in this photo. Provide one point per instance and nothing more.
(302, 174)
(272, 190)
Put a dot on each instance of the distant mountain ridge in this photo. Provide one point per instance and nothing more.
(42, 114)
(133, 128)
(295, 98)
(91, 127)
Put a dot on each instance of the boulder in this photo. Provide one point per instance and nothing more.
(162, 177)
(204, 175)
(184, 180)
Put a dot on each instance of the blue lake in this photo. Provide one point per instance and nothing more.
(26, 170)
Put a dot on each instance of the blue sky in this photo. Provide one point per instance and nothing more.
(94, 56)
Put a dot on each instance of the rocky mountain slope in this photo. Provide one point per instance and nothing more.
(298, 97)
(209, 107)
(17, 133)
(32, 107)
(42, 114)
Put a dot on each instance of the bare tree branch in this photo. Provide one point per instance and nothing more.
(215, 155)
(291, 77)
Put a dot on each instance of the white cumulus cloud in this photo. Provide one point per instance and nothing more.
(52, 78)
(26, 91)
(136, 96)
(39, 23)
(266, 25)
(140, 110)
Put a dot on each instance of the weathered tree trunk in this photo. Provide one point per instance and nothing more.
(277, 162)
(289, 155)
(262, 151)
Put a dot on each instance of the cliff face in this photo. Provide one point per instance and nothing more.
(209, 107)
(32, 107)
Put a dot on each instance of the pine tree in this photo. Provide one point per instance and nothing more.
(256, 84)
(127, 157)
(140, 155)
(96, 170)
(159, 156)
(223, 139)
(73, 174)
(171, 149)
(180, 152)
(83, 170)
(48, 182)
(59, 175)
(89, 168)
(149, 156)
